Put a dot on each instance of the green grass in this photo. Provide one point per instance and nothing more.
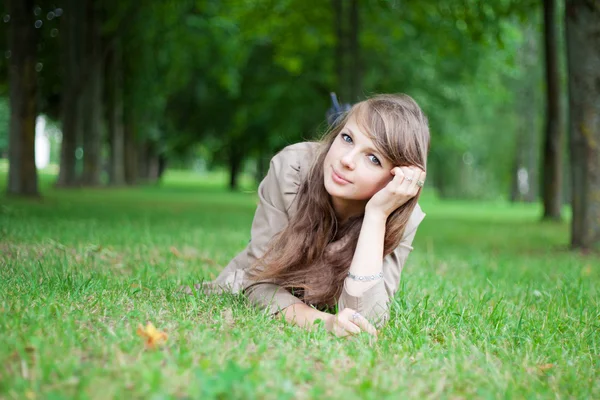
(491, 305)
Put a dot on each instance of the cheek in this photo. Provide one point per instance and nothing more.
(373, 184)
(330, 155)
(334, 150)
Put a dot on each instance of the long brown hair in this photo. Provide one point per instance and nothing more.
(297, 258)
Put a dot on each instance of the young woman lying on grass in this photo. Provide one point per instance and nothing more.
(336, 220)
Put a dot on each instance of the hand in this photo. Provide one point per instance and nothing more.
(349, 322)
(401, 188)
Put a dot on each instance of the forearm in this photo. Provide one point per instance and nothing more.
(304, 316)
(368, 256)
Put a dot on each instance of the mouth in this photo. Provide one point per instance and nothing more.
(338, 178)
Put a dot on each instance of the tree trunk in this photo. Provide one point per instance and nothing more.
(148, 162)
(583, 58)
(142, 159)
(354, 52)
(22, 174)
(235, 166)
(131, 150)
(92, 138)
(71, 111)
(234, 172)
(67, 175)
(153, 161)
(162, 165)
(115, 116)
(261, 166)
(340, 51)
(553, 144)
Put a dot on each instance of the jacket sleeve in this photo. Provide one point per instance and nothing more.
(374, 302)
(276, 192)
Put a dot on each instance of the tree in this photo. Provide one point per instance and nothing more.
(93, 103)
(114, 90)
(583, 59)
(347, 55)
(553, 143)
(72, 75)
(339, 55)
(354, 52)
(22, 175)
(203, 77)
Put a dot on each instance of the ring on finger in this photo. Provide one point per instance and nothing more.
(415, 176)
(355, 316)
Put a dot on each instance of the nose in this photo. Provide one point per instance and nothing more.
(347, 160)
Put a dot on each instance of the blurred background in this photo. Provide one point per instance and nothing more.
(114, 93)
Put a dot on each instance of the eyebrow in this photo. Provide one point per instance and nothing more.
(368, 148)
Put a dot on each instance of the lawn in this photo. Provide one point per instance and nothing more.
(491, 305)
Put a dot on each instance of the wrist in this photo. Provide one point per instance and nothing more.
(328, 320)
(376, 214)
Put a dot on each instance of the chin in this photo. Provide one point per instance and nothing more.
(338, 194)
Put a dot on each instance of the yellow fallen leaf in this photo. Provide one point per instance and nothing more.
(152, 336)
(175, 252)
(545, 367)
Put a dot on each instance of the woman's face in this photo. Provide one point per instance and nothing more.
(354, 170)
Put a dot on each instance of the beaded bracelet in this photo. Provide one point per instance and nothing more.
(365, 278)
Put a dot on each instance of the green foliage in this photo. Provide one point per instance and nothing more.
(459, 71)
(242, 79)
(480, 314)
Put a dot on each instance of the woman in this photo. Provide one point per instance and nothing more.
(336, 220)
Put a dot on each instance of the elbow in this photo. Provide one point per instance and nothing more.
(270, 298)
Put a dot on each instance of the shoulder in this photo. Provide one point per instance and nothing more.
(297, 154)
(293, 162)
(288, 169)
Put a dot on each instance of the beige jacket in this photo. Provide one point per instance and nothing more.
(276, 205)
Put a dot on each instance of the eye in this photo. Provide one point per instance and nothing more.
(346, 138)
(374, 160)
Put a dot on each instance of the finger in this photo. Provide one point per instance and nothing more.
(409, 179)
(398, 174)
(364, 325)
(351, 328)
(344, 319)
(397, 179)
(342, 325)
(339, 331)
(422, 176)
(413, 188)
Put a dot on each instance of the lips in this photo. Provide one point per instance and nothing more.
(338, 178)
